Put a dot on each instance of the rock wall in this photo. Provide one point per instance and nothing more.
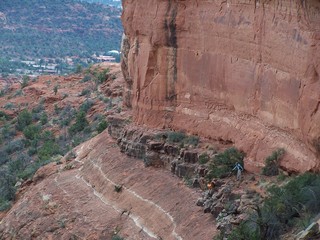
(238, 70)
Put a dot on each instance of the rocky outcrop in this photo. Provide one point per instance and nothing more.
(242, 71)
(228, 203)
(152, 147)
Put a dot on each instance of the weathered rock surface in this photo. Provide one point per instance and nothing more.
(241, 71)
(77, 200)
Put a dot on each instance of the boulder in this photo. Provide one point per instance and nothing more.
(190, 156)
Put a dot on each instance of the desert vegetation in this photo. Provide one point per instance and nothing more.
(38, 135)
(287, 207)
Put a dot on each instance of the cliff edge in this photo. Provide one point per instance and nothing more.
(246, 72)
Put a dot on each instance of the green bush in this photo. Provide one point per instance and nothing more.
(24, 119)
(86, 105)
(192, 140)
(272, 163)
(7, 189)
(32, 132)
(14, 146)
(47, 136)
(44, 118)
(224, 162)
(4, 205)
(38, 109)
(78, 69)
(9, 105)
(25, 81)
(181, 137)
(175, 137)
(55, 89)
(56, 109)
(285, 207)
(85, 92)
(86, 78)
(117, 237)
(102, 126)
(8, 132)
(66, 116)
(80, 124)
(48, 150)
(4, 157)
(100, 76)
(204, 158)
(17, 93)
(4, 116)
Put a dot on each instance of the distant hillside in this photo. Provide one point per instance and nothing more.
(116, 3)
(57, 28)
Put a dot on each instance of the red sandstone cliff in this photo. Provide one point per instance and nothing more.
(243, 71)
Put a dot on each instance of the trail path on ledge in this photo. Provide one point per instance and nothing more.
(81, 203)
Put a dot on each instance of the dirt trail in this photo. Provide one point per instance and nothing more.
(81, 203)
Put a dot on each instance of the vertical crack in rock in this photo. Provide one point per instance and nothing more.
(125, 48)
(171, 38)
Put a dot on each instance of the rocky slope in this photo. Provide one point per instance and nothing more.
(77, 200)
(243, 71)
(76, 197)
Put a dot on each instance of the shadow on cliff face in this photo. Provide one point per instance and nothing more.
(170, 29)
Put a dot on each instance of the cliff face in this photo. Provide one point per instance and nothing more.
(243, 71)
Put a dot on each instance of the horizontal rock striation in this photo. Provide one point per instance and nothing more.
(243, 71)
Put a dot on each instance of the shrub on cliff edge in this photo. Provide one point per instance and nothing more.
(272, 163)
(223, 163)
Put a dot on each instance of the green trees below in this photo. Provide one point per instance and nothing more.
(42, 29)
(294, 204)
(80, 124)
(24, 119)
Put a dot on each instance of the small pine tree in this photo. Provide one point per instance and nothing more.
(25, 80)
(55, 89)
(80, 124)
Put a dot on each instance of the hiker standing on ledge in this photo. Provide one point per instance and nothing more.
(239, 169)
